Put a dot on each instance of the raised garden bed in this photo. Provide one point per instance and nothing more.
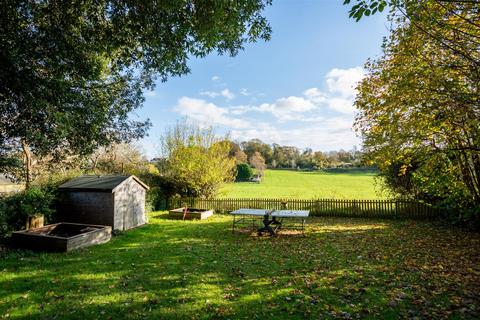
(61, 237)
(192, 213)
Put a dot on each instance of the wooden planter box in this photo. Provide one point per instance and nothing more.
(62, 237)
(192, 213)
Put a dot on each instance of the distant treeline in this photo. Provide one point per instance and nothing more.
(278, 156)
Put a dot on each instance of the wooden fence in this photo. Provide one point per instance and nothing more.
(394, 209)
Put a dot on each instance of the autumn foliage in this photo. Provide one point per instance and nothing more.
(418, 107)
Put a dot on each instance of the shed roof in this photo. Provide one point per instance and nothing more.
(98, 183)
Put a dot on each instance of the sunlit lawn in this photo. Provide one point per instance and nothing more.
(341, 268)
(354, 184)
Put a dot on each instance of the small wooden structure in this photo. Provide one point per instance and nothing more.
(191, 213)
(61, 237)
(34, 222)
(116, 201)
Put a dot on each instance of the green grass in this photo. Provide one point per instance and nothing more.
(346, 184)
(174, 269)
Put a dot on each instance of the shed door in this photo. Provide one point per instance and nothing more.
(131, 203)
(137, 206)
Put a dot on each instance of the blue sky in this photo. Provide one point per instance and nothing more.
(297, 89)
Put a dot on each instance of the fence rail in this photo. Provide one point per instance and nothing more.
(393, 209)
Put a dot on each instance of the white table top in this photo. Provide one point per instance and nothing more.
(275, 213)
(250, 212)
(291, 213)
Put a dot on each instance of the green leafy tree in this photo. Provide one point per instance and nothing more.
(419, 105)
(196, 159)
(320, 160)
(451, 24)
(285, 156)
(72, 72)
(362, 8)
(257, 145)
(244, 172)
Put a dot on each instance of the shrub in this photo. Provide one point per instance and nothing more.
(196, 159)
(16, 208)
(165, 187)
(154, 199)
(244, 172)
(3, 219)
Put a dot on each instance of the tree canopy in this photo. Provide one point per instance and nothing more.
(419, 111)
(196, 159)
(72, 72)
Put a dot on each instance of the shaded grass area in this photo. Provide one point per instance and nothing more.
(338, 184)
(341, 268)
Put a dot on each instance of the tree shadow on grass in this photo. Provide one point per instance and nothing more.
(199, 269)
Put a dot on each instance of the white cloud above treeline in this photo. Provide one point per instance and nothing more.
(318, 118)
(208, 113)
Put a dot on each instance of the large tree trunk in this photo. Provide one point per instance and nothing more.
(27, 161)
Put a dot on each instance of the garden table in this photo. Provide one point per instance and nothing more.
(272, 219)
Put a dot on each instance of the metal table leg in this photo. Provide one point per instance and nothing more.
(266, 225)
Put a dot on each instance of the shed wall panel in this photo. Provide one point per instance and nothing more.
(129, 205)
(88, 207)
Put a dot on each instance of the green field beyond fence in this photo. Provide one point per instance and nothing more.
(354, 183)
(393, 209)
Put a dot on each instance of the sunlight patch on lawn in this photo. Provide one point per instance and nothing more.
(91, 276)
(319, 226)
(350, 228)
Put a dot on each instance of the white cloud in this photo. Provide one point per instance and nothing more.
(344, 81)
(338, 97)
(215, 78)
(226, 93)
(318, 118)
(341, 105)
(290, 108)
(211, 94)
(150, 93)
(312, 93)
(315, 95)
(244, 92)
(207, 113)
(238, 110)
(327, 134)
(340, 90)
(292, 104)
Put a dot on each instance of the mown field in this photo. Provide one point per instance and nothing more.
(339, 184)
(171, 269)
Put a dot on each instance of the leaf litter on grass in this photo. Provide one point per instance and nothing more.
(342, 268)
